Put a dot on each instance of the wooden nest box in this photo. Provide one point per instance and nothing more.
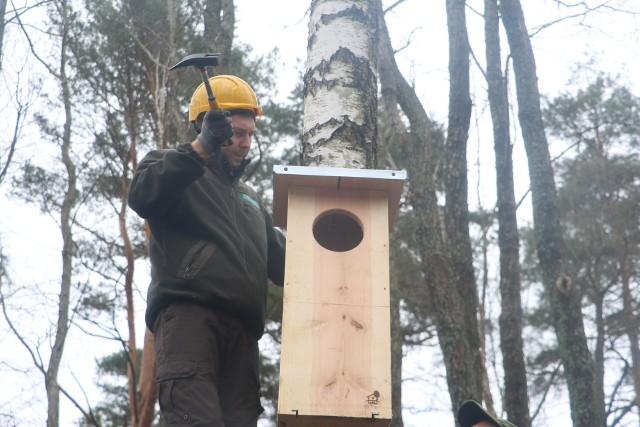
(335, 365)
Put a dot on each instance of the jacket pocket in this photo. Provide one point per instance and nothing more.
(195, 258)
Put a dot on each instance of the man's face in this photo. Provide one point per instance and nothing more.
(243, 130)
(484, 424)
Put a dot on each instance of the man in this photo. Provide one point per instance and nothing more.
(471, 414)
(212, 247)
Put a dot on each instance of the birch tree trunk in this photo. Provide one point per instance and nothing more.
(340, 86)
(564, 295)
(516, 397)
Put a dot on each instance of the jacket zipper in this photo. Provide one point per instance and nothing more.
(234, 202)
(237, 205)
(187, 270)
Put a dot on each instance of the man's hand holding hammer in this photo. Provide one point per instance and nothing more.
(216, 129)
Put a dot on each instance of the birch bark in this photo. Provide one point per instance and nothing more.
(340, 87)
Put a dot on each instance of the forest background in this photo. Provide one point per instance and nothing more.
(587, 57)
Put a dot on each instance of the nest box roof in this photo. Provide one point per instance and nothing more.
(391, 181)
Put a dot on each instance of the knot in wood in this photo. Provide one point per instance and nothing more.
(564, 284)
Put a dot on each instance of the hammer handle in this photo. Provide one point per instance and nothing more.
(213, 102)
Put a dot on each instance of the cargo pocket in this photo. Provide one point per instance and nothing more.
(175, 390)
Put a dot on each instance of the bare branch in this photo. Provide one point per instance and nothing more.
(88, 415)
(12, 144)
(23, 27)
(397, 3)
(35, 355)
(408, 41)
(605, 6)
(554, 374)
(475, 59)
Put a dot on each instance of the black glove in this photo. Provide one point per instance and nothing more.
(216, 129)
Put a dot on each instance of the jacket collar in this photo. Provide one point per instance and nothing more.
(218, 163)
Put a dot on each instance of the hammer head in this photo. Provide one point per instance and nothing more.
(199, 60)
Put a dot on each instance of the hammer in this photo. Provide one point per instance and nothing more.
(201, 61)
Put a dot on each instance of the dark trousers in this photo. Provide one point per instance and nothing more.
(207, 368)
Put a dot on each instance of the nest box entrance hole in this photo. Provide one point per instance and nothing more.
(338, 230)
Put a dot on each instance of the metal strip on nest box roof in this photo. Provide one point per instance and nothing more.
(390, 181)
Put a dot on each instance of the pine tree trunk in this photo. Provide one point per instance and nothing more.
(456, 213)
(340, 86)
(3, 8)
(631, 325)
(417, 150)
(516, 399)
(219, 27)
(156, 62)
(396, 345)
(132, 350)
(599, 348)
(564, 295)
(387, 138)
(66, 220)
(147, 389)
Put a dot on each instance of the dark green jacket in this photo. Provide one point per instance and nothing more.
(212, 242)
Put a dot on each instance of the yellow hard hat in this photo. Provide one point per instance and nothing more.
(231, 92)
